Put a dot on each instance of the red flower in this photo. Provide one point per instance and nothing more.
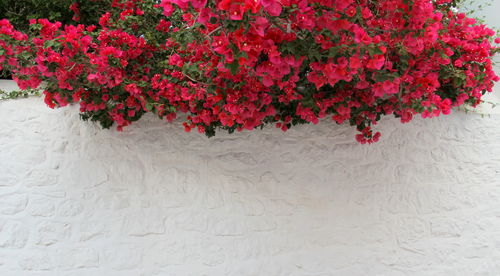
(260, 25)
(351, 11)
(74, 7)
(133, 89)
(273, 7)
(198, 4)
(387, 87)
(376, 62)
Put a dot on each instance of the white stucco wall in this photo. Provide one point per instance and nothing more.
(153, 200)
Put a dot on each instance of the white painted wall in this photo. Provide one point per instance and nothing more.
(153, 200)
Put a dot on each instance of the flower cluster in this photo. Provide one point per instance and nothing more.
(242, 64)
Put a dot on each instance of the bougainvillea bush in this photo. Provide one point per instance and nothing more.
(243, 64)
(66, 11)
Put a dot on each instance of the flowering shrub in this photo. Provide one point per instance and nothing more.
(65, 11)
(242, 64)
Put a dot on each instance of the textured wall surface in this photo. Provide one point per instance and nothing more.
(153, 200)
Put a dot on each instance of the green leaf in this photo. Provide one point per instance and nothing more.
(375, 51)
(233, 67)
(49, 44)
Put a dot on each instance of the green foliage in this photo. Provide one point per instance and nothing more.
(5, 74)
(6, 95)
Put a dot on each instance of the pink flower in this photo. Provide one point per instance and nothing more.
(198, 4)
(355, 63)
(366, 13)
(360, 35)
(376, 63)
(387, 87)
(351, 11)
(260, 25)
(273, 7)
(168, 8)
(343, 4)
(133, 89)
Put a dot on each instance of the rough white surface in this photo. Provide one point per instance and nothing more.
(153, 200)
